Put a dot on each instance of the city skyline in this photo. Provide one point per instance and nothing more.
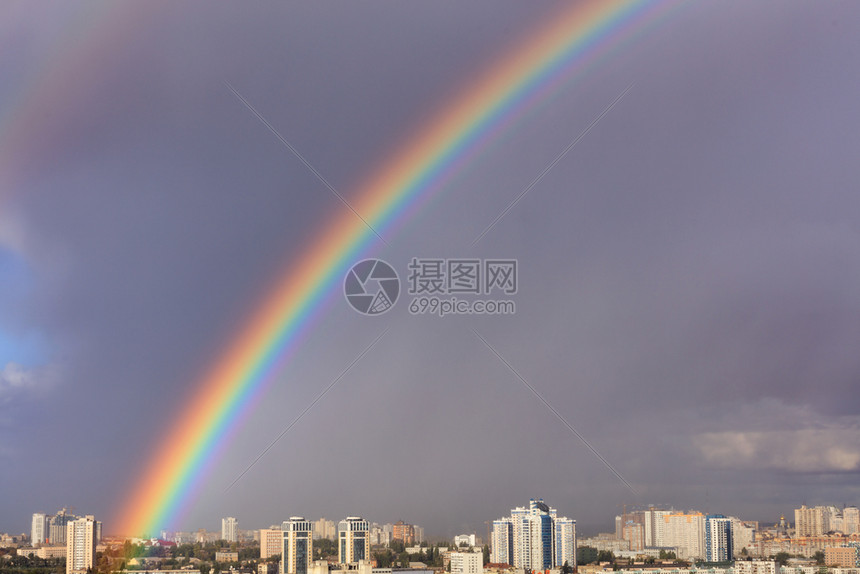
(675, 206)
(533, 537)
(808, 521)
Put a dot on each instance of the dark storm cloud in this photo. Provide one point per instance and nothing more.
(688, 294)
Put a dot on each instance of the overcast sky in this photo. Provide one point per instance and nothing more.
(689, 274)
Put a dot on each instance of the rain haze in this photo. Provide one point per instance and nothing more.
(688, 295)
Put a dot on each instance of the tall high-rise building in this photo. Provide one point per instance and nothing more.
(642, 528)
(379, 535)
(39, 529)
(325, 529)
(297, 550)
(634, 534)
(271, 540)
(565, 542)
(851, 519)
(230, 529)
(810, 521)
(81, 545)
(686, 532)
(353, 540)
(403, 532)
(502, 542)
(743, 535)
(636, 527)
(57, 527)
(718, 538)
(534, 538)
(655, 524)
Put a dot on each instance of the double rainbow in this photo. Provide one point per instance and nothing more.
(572, 40)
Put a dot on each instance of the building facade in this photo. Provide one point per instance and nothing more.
(353, 540)
(565, 541)
(297, 549)
(403, 532)
(851, 519)
(271, 540)
(718, 538)
(325, 529)
(502, 542)
(686, 533)
(230, 529)
(755, 567)
(44, 552)
(39, 529)
(812, 521)
(57, 527)
(226, 556)
(467, 563)
(743, 536)
(81, 540)
(845, 556)
(464, 540)
(534, 538)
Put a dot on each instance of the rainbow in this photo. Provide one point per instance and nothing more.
(571, 41)
(38, 102)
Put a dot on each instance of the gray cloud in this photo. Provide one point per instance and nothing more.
(689, 287)
(805, 450)
(16, 380)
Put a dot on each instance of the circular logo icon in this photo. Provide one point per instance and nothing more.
(371, 287)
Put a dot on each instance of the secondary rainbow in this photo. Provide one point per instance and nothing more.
(571, 41)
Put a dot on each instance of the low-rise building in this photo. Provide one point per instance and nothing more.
(847, 556)
(755, 567)
(226, 556)
(44, 552)
(467, 563)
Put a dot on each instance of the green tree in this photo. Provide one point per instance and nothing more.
(586, 555)
(819, 557)
(606, 556)
(781, 558)
(383, 559)
(486, 551)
